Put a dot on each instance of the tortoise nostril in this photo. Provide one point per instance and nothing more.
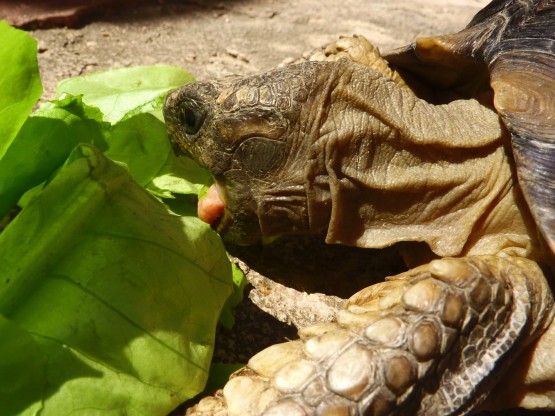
(192, 115)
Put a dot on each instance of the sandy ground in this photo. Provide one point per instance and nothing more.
(216, 38)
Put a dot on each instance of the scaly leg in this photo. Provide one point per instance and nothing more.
(431, 341)
(358, 49)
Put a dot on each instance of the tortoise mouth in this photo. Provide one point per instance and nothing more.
(230, 215)
(211, 207)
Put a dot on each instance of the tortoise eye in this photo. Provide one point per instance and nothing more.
(192, 116)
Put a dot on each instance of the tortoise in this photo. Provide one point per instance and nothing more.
(446, 146)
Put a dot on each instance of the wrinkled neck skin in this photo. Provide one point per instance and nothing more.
(387, 167)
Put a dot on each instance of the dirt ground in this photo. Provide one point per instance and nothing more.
(217, 38)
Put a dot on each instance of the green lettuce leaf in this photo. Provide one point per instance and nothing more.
(20, 85)
(44, 143)
(227, 319)
(119, 297)
(180, 175)
(141, 142)
(125, 92)
(22, 369)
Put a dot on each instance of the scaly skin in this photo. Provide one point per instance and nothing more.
(431, 341)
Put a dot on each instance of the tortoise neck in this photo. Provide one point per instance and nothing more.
(388, 167)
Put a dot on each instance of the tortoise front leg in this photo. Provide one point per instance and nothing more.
(357, 49)
(432, 341)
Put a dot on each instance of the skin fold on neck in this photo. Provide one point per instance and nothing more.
(397, 168)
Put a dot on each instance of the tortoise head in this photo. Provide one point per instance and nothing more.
(251, 134)
(339, 149)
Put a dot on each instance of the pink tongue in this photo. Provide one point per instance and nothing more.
(210, 206)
